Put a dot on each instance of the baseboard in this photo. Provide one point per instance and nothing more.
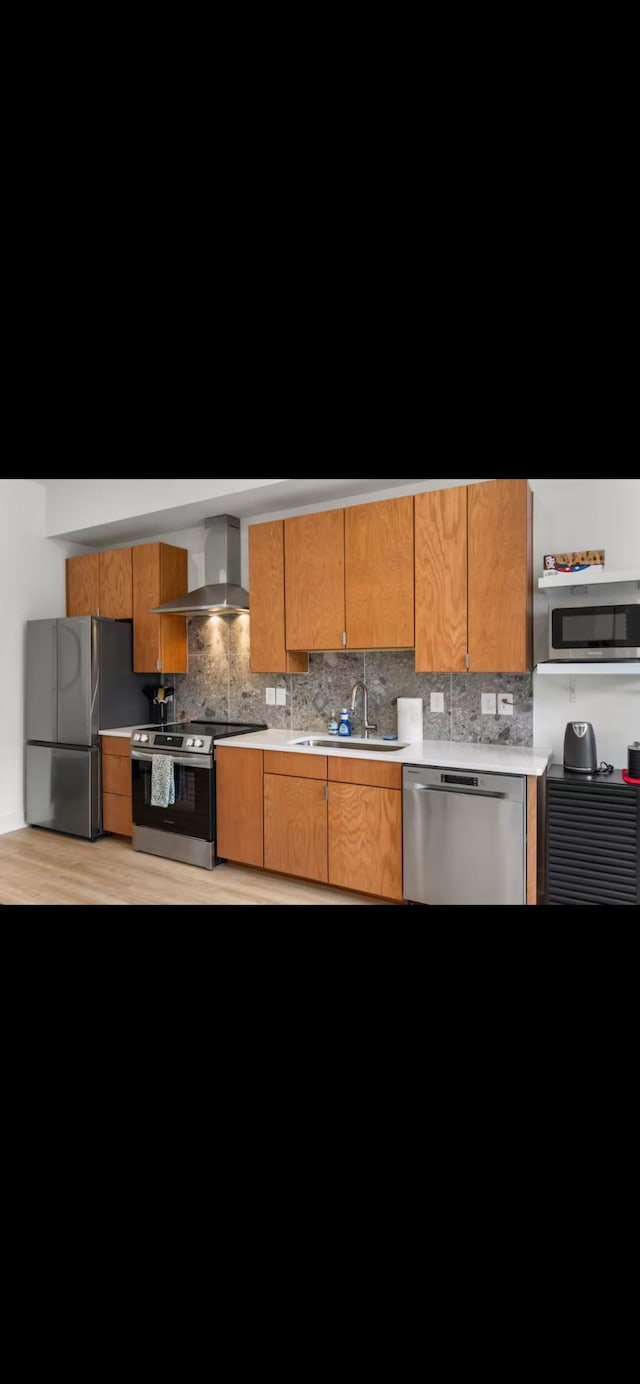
(10, 821)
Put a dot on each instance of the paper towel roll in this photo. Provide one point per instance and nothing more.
(410, 719)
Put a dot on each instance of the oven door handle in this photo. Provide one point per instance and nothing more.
(192, 761)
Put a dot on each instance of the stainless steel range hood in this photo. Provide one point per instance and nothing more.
(222, 592)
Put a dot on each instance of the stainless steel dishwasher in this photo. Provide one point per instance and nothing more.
(464, 836)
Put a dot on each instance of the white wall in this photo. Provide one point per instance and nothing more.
(191, 539)
(568, 516)
(83, 504)
(32, 587)
(108, 511)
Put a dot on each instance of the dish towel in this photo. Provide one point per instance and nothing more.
(163, 789)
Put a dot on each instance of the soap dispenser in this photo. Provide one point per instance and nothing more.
(345, 725)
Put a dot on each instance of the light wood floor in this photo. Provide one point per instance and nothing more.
(43, 867)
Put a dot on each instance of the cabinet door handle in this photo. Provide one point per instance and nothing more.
(326, 792)
(344, 636)
(159, 664)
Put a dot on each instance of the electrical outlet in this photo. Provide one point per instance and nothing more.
(505, 704)
(281, 696)
(488, 703)
(271, 696)
(437, 701)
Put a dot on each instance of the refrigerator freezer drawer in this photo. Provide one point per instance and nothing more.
(63, 789)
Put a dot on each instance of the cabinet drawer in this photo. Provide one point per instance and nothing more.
(312, 766)
(116, 814)
(116, 744)
(116, 775)
(369, 772)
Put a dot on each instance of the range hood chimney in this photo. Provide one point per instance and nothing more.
(222, 592)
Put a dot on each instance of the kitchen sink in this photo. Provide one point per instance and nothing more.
(371, 747)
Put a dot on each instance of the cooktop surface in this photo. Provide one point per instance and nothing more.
(217, 729)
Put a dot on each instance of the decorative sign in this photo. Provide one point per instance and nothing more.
(573, 562)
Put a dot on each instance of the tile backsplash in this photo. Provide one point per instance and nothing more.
(220, 686)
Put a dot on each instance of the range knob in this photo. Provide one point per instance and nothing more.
(137, 735)
(190, 743)
(198, 744)
(144, 739)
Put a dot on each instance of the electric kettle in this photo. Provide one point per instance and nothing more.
(580, 748)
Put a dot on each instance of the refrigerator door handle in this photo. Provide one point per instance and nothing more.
(77, 667)
(75, 645)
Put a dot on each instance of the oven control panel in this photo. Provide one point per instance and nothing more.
(172, 740)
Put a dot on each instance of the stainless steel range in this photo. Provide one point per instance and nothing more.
(173, 775)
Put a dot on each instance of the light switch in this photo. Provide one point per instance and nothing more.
(488, 703)
(281, 696)
(271, 696)
(437, 701)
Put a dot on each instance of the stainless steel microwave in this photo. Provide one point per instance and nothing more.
(591, 632)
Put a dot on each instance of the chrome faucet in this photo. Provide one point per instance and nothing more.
(365, 725)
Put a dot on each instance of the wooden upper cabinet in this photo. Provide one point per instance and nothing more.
(349, 578)
(473, 562)
(268, 653)
(441, 580)
(314, 581)
(160, 572)
(83, 584)
(239, 808)
(500, 517)
(116, 591)
(100, 584)
(378, 545)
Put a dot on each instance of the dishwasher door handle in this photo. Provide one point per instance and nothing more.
(437, 788)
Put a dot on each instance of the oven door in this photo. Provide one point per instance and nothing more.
(192, 813)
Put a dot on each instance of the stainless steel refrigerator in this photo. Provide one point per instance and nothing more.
(79, 681)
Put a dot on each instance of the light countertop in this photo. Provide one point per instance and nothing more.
(496, 759)
(124, 732)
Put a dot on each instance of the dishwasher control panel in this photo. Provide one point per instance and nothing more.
(463, 780)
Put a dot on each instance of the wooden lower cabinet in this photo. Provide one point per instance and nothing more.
(276, 809)
(295, 825)
(239, 805)
(116, 785)
(116, 814)
(365, 839)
